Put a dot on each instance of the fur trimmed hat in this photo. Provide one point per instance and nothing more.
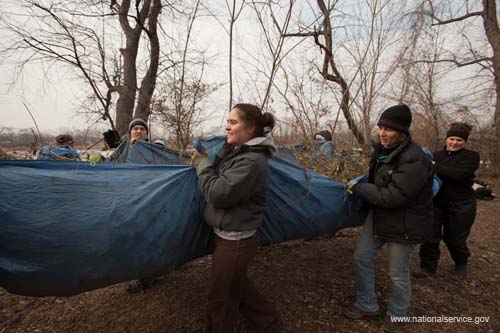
(461, 130)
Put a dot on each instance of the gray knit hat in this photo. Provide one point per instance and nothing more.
(138, 121)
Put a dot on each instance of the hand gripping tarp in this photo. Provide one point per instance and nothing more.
(145, 152)
(68, 227)
(57, 153)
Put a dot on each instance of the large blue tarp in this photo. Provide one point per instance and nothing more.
(57, 153)
(320, 149)
(69, 227)
(145, 152)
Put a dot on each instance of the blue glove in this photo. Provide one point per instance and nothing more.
(198, 146)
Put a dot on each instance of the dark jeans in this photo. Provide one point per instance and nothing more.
(452, 223)
(232, 291)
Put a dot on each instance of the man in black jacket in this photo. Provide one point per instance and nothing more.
(399, 193)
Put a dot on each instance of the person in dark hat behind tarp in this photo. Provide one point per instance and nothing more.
(399, 194)
(62, 150)
(64, 140)
(324, 135)
(455, 203)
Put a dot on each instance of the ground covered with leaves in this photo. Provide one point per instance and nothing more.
(310, 281)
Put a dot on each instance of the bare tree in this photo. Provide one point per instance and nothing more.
(371, 41)
(329, 70)
(234, 14)
(82, 35)
(146, 21)
(179, 105)
(306, 99)
(273, 21)
(489, 16)
(420, 79)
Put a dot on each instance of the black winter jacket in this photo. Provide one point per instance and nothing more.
(399, 190)
(456, 170)
(235, 188)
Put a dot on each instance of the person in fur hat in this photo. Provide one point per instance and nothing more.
(455, 203)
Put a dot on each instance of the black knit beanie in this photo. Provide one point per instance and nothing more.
(138, 121)
(397, 117)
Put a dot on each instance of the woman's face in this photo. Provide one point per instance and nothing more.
(237, 130)
(387, 135)
(454, 143)
(138, 132)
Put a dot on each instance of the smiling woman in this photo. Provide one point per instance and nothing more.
(235, 188)
(238, 132)
(454, 205)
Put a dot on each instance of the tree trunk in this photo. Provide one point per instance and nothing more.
(329, 64)
(490, 21)
(128, 89)
(148, 84)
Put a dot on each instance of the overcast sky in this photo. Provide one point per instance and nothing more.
(53, 96)
(54, 99)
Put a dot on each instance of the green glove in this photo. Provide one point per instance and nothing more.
(96, 158)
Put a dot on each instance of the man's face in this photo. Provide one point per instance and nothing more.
(138, 132)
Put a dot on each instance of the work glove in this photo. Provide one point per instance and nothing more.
(199, 159)
(353, 182)
(96, 158)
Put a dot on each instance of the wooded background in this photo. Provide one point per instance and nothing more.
(316, 64)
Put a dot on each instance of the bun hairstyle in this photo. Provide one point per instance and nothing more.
(253, 116)
(461, 130)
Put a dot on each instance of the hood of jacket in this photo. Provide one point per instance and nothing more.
(264, 142)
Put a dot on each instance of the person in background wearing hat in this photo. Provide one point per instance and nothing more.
(324, 135)
(138, 130)
(455, 203)
(64, 140)
(62, 150)
(399, 194)
(160, 142)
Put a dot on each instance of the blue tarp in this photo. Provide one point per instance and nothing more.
(57, 153)
(145, 152)
(69, 227)
(320, 149)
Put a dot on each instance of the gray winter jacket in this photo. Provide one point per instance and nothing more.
(235, 187)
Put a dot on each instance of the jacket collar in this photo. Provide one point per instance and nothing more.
(395, 151)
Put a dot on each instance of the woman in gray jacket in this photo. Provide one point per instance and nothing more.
(235, 189)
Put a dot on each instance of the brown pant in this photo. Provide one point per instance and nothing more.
(232, 290)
